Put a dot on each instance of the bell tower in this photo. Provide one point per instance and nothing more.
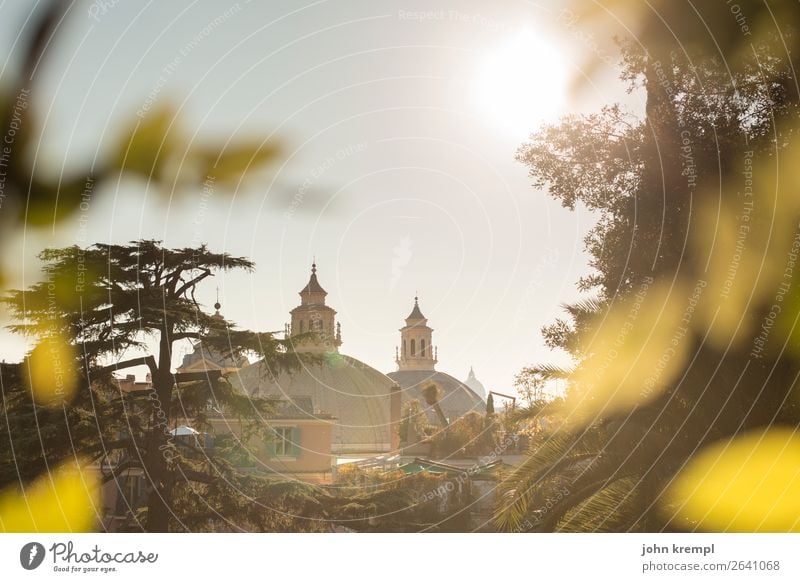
(312, 316)
(416, 351)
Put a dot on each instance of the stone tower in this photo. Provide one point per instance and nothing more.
(416, 351)
(312, 316)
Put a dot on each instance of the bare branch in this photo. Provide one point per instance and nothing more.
(148, 361)
(182, 289)
(186, 335)
(122, 467)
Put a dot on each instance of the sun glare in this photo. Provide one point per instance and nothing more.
(522, 83)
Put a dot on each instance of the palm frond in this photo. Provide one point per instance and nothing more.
(586, 306)
(551, 372)
(548, 466)
(612, 508)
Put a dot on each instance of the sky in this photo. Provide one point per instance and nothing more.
(398, 124)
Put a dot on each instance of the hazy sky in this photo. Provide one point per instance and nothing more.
(398, 173)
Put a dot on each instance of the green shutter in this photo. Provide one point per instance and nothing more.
(295, 442)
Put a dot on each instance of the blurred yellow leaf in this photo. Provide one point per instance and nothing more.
(735, 266)
(752, 251)
(639, 346)
(51, 372)
(157, 147)
(64, 501)
(148, 144)
(750, 483)
(52, 201)
(231, 163)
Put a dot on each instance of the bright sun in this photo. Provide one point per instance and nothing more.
(522, 83)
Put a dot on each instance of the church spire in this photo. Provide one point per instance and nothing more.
(314, 321)
(416, 342)
(217, 306)
(313, 293)
(416, 313)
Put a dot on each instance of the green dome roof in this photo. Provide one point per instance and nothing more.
(456, 399)
(354, 393)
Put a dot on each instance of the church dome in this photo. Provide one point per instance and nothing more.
(354, 393)
(474, 384)
(456, 399)
(205, 358)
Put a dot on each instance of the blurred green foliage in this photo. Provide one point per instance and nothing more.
(61, 402)
(685, 359)
(156, 148)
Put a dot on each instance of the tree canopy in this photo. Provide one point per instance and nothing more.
(98, 311)
(685, 341)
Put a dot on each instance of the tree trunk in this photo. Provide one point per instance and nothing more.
(156, 464)
(440, 415)
(666, 190)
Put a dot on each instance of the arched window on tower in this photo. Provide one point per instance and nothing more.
(413, 348)
(422, 347)
(302, 326)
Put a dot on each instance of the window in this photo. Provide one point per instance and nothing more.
(302, 326)
(133, 490)
(413, 349)
(284, 442)
(422, 348)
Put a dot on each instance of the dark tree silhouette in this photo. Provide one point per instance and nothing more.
(105, 303)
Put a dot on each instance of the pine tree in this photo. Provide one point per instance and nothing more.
(96, 308)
